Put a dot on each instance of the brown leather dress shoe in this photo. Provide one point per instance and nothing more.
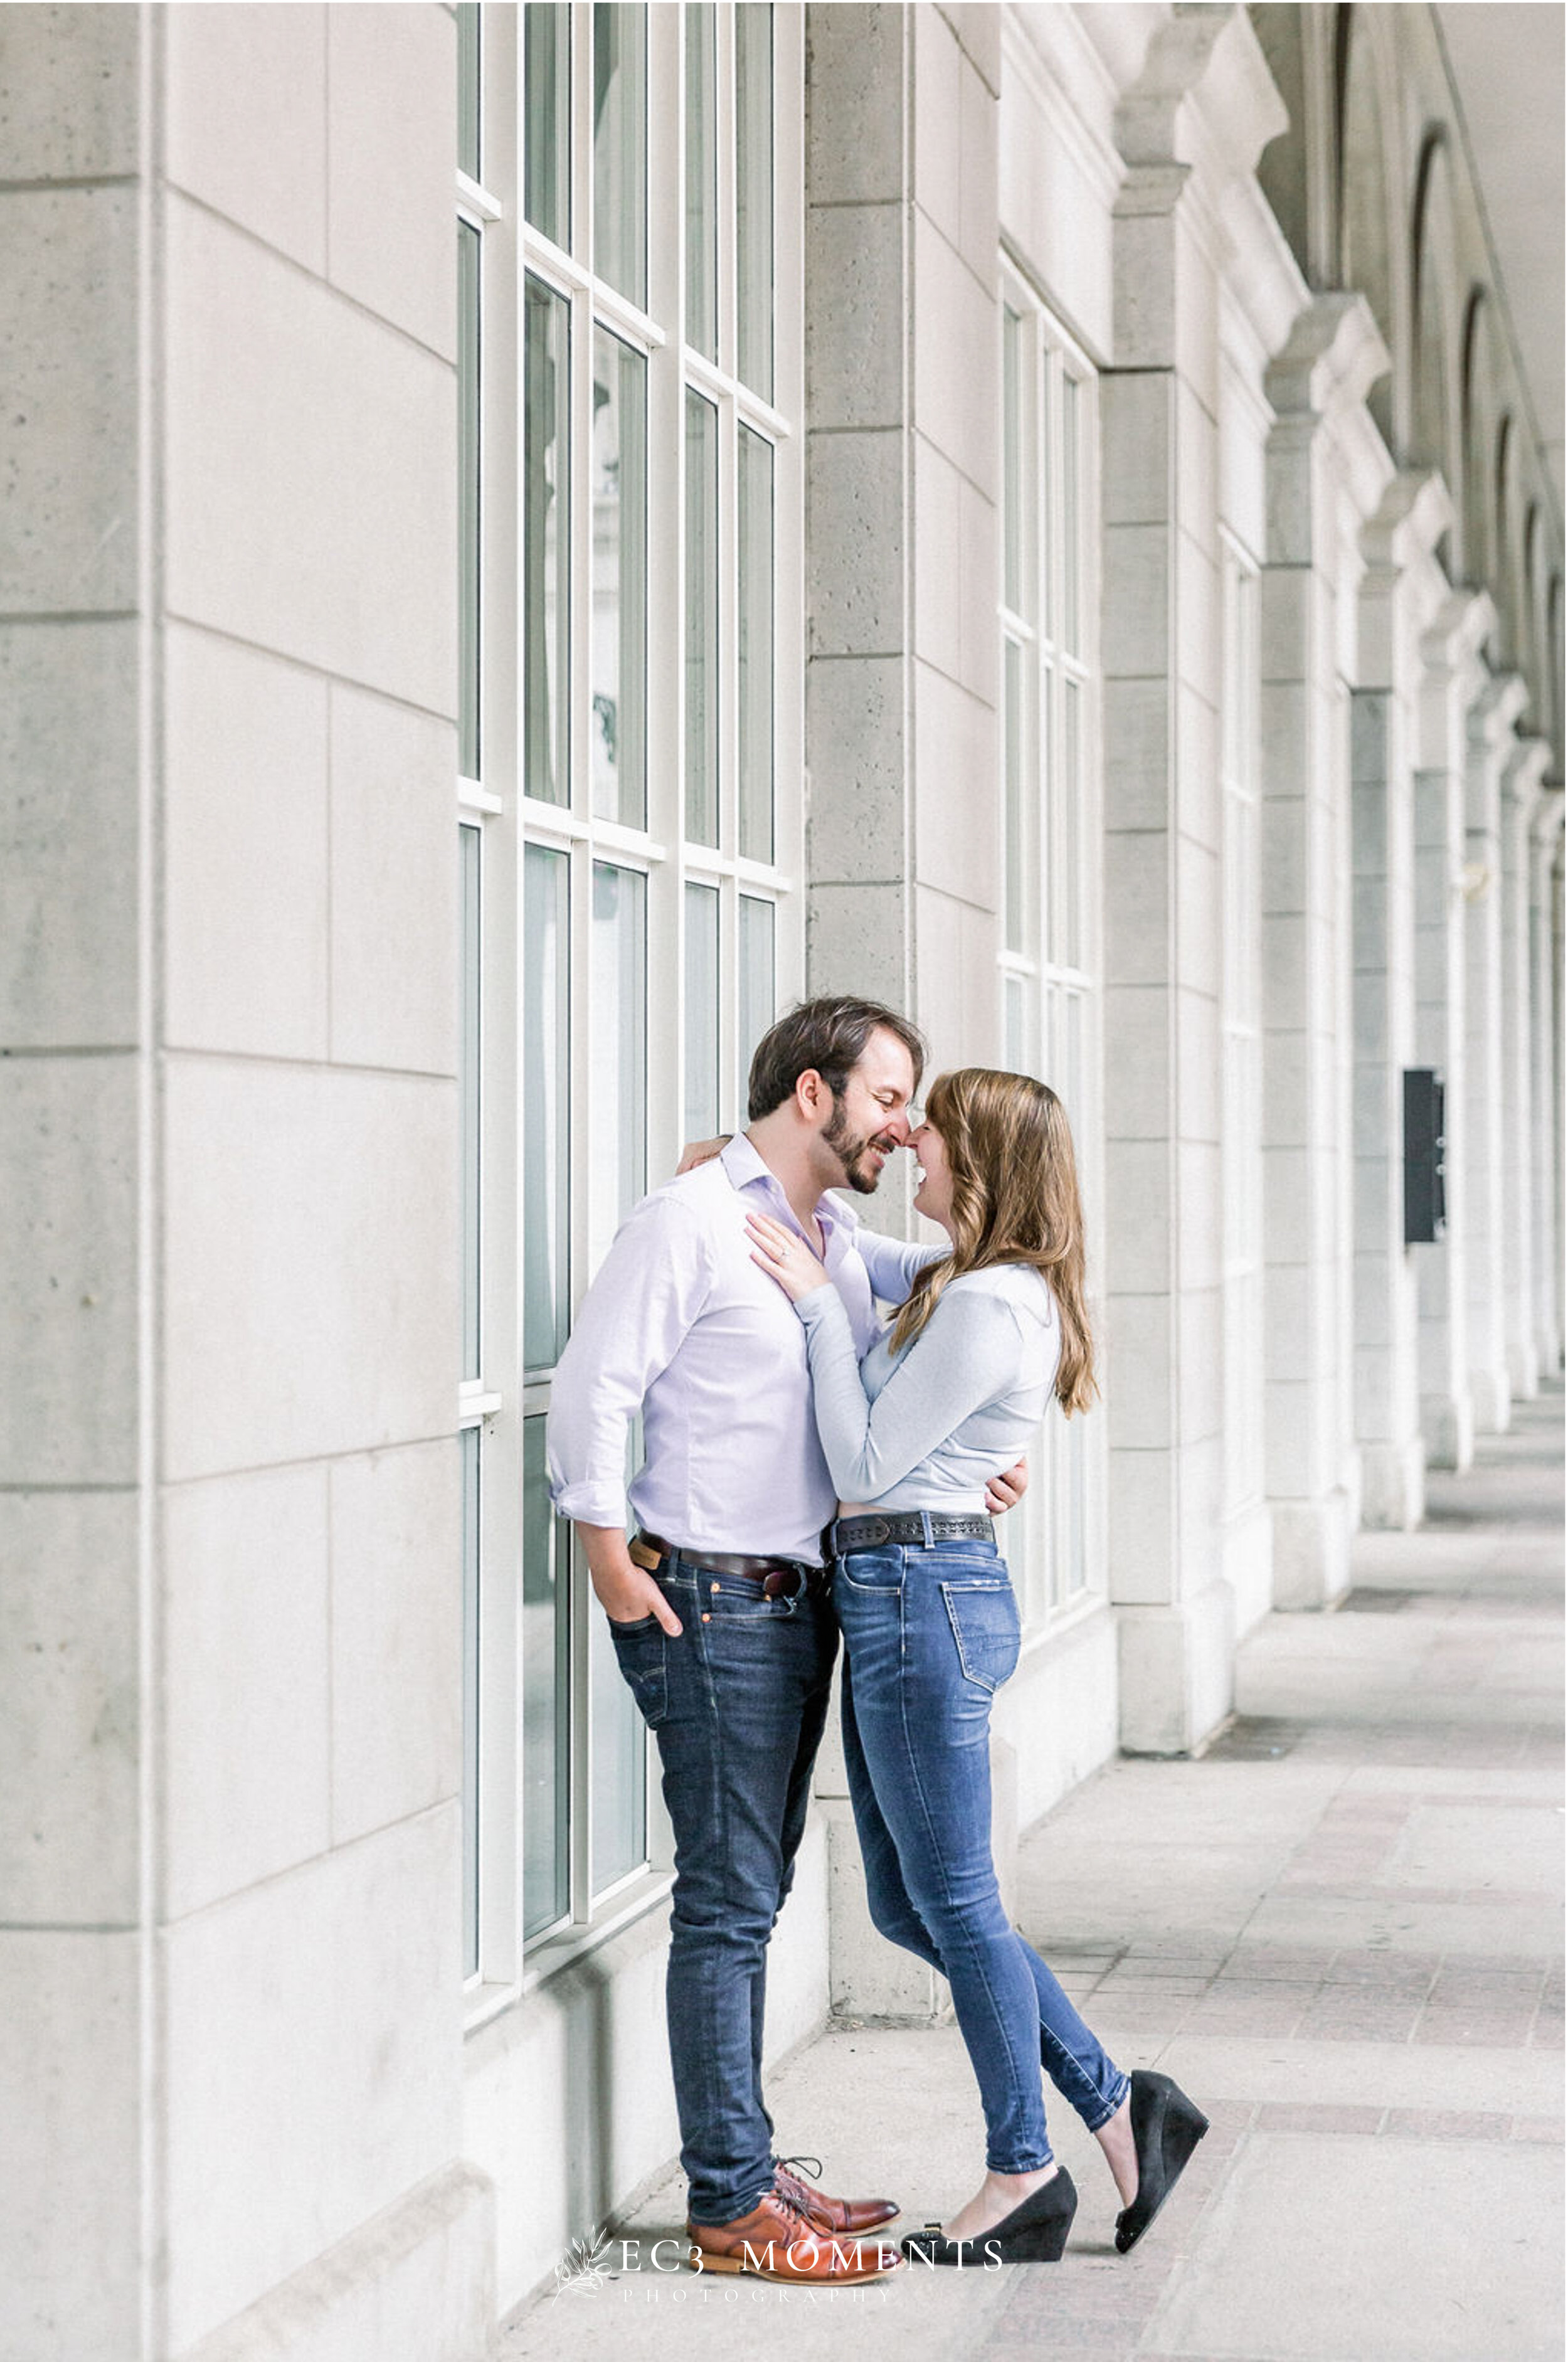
(833, 2215)
(779, 2241)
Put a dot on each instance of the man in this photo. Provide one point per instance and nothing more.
(719, 1609)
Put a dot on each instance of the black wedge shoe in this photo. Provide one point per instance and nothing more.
(1166, 2128)
(1035, 2233)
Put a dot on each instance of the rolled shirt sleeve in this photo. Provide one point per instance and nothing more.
(649, 1290)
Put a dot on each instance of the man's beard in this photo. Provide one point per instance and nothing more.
(849, 1151)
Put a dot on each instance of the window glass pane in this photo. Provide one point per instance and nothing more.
(702, 620)
(1041, 791)
(547, 1074)
(546, 558)
(1066, 795)
(619, 1083)
(468, 499)
(702, 200)
(1066, 1073)
(469, 88)
(620, 1765)
(1014, 492)
(755, 649)
(470, 905)
(546, 1671)
(469, 1441)
(1068, 1463)
(1071, 555)
(1074, 1544)
(619, 148)
(1046, 488)
(1024, 1540)
(620, 574)
(1018, 803)
(1017, 1044)
(547, 120)
(754, 197)
(702, 1113)
(757, 988)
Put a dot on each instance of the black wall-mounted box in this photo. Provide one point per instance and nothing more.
(1425, 1205)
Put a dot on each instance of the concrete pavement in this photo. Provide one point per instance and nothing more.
(1341, 1930)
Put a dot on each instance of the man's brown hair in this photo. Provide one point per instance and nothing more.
(828, 1035)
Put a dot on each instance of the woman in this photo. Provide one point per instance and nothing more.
(991, 1330)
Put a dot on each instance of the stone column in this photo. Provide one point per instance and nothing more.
(1492, 719)
(902, 476)
(1521, 793)
(903, 469)
(1546, 1059)
(78, 2018)
(1194, 122)
(1401, 588)
(1450, 650)
(230, 1836)
(1321, 448)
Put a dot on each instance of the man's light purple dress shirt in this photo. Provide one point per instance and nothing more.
(682, 1325)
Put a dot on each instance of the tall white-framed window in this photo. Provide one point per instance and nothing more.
(1050, 930)
(478, 286)
(1241, 1029)
(638, 586)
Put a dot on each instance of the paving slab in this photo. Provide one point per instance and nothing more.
(1324, 2245)
(1341, 1930)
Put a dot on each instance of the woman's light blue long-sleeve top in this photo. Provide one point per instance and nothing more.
(925, 1429)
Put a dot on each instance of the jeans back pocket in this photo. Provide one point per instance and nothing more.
(984, 1617)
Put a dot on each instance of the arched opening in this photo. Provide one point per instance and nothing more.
(1554, 668)
(1530, 620)
(1284, 166)
(1433, 424)
(1474, 402)
(1366, 142)
(1504, 542)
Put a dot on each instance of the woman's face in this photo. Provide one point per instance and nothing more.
(934, 1197)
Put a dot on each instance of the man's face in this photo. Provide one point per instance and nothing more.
(871, 1118)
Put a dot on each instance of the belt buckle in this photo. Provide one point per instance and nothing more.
(774, 1581)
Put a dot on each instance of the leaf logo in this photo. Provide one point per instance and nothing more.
(585, 2265)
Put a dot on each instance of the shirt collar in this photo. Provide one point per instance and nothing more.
(745, 1168)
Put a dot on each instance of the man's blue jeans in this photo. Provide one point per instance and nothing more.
(931, 1633)
(737, 1705)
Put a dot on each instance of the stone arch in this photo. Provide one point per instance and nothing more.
(1298, 169)
(1476, 382)
(1372, 252)
(1554, 668)
(1282, 167)
(1433, 409)
(1434, 419)
(1533, 620)
(1504, 541)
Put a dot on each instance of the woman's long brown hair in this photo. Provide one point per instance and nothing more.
(1015, 1199)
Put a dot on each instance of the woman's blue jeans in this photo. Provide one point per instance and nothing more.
(931, 1633)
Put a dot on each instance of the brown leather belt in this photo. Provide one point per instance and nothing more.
(779, 1577)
